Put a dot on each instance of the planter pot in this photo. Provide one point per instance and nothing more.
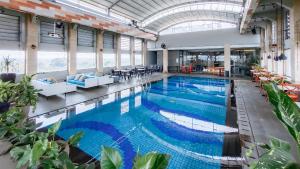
(4, 107)
(8, 77)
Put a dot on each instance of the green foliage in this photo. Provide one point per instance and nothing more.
(285, 109)
(278, 153)
(152, 160)
(110, 158)
(7, 91)
(21, 94)
(277, 156)
(41, 151)
(26, 94)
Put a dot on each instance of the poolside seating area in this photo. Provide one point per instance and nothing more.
(129, 72)
(261, 76)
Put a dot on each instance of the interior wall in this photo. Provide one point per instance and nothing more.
(160, 58)
(207, 39)
(151, 58)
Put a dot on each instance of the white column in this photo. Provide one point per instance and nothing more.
(268, 46)
(165, 60)
(118, 51)
(144, 52)
(99, 51)
(72, 49)
(132, 51)
(262, 48)
(279, 64)
(227, 54)
(32, 41)
(295, 39)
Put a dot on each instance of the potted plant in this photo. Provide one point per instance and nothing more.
(20, 94)
(6, 95)
(7, 66)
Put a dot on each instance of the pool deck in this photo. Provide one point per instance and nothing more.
(256, 121)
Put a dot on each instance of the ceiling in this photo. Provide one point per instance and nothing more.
(157, 15)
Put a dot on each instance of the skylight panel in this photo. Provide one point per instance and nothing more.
(212, 6)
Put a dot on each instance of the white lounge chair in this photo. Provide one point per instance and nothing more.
(51, 89)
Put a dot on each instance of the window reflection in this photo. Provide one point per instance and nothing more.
(47, 120)
(109, 99)
(124, 107)
(80, 108)
(137, 101)
(138, 89)
(197, 124)
(125, 93)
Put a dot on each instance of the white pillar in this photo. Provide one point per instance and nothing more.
(32, 42)
(262, 48)
(165, 60)
(99, 51)
(295, 39)
(132, 51)
(72, 49)
(118, 51)
(279, 64)
(227, 54)
(144, 52)
(268, 46)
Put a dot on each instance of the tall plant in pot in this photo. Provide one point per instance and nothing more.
(7, 95)
(8, 65)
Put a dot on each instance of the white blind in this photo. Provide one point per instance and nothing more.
(86, 37)
(47, 27)
(108, 40)
(9, 28)
(125, 43)
(138, 45)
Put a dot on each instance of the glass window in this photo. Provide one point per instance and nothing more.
(86, 60)
(197, 26)
(125, 59)
(138, 45)
(109, 60)
(138, 59)
(125, 50)
(217, 6)
(18, 58)
(287, 25)
(274, 29)
(52, 61)
(125, 43)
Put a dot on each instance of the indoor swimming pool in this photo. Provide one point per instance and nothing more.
(181, 116)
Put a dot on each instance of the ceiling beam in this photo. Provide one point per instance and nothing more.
(114, 4)
(288, 4)
(250, 7)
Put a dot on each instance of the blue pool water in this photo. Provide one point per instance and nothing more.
(180, 116)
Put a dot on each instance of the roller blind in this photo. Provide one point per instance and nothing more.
(46, 28)
(9, 28)
(108, 40)
(125, 43)
(138, 45)
(86, 37)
